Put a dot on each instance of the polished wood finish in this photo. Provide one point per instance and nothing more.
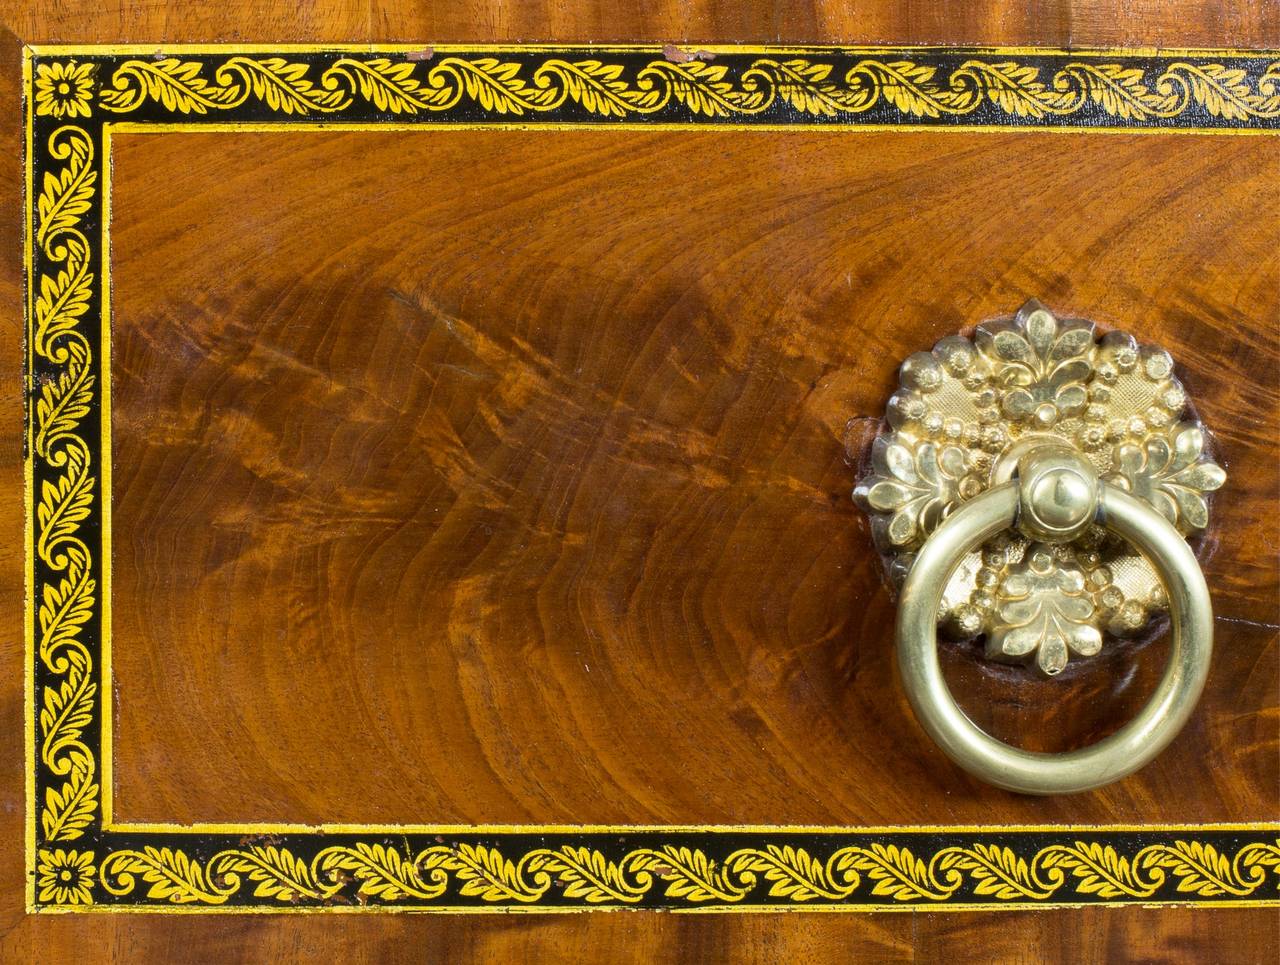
(707, 410)
(501, 466)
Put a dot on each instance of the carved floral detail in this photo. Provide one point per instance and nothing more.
(1043, 612)
(1172, 473)
(1041, 365)
(915, 486)
(959, 413)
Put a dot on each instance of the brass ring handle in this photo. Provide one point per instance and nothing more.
(1035, 486)
(1118, 755)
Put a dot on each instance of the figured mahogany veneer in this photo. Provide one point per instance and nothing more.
(503, 477)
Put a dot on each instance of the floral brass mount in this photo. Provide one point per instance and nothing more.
(964, 416)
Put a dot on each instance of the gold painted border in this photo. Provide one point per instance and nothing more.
(164, 877)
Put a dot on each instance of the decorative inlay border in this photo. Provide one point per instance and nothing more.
(79, 859)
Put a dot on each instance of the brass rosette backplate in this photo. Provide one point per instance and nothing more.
(967, 411)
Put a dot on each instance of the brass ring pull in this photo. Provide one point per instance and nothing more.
(1135, 744)
(1002, 509)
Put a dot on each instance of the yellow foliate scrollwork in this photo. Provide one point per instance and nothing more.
(993, 871)
(793, 873)
(275, 872)
(382, 872)
(702, 88)
(64, 502)
(170, 876)
(996, 872)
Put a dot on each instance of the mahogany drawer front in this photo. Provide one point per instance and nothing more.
(488, 487)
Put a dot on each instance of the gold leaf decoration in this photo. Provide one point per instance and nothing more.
(494, 85)
(276, 872)
(997, 872)
(805, 87)
(897, 873)
(1117, 90)
(65, 877)
(586, 874)
(483, 871)
(703, 88)
(67, 704)
(172, 876)
(792, 873)
(598, 87)
(67, 710)
(689, 873)
(1222, 91)
(382, 872)
(70, 807)
(175, 84)
(387, 85)
(64, 402)
(64, 297)
(65, 607)
(1202, 869)
(906, 86)
(1098, 868)
(64, 504)
(66, 194)
(281, 85)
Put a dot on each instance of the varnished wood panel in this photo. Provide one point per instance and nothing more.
(1089, 935)
(501, 483)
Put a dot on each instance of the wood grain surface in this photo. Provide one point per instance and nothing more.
(576, 407)
(499, 482)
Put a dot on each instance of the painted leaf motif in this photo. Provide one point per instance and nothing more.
(494, 85)
(1120, 91)
(389, 86)
(897, 872)
(69, 808)
(64, 503)
(172, 876)
(1200, 868)
(791, 872)
(382, 872)
(805, 87)
(689, 873)
(1099, 870)
(277, 872)
(64, 608)
(484, 872)
(997, 872)
(699, 86)
(67, 710)
(66, 195)
(176, 84)
(64, 402)
(284, 86)
(586, 874)
(1223, 91)
(599, 87)
(64, 296)
(903, 84)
